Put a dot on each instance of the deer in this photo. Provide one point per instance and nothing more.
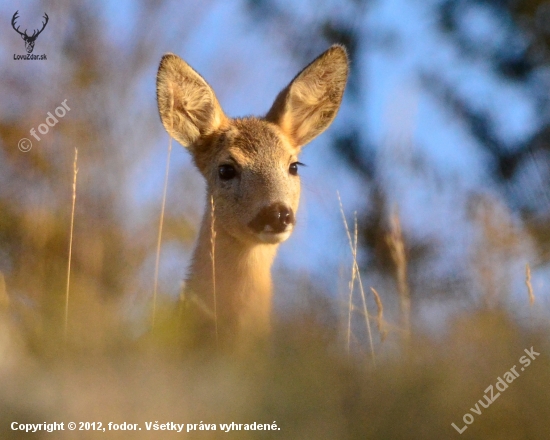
(29, 40)
(250, 165)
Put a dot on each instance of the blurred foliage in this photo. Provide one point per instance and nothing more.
(523, 57)
(303, 378)
(87, 69)
(520, 54)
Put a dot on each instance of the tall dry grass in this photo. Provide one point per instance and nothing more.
(213, 259)
(356, 274)
(75, 173)
(161, 225)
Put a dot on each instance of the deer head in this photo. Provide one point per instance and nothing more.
(29, 40)
(251, 164)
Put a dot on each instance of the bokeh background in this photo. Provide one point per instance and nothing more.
(443, 134)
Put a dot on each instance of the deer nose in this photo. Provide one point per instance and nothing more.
(274, 218)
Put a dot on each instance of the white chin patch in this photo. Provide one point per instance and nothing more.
(273, 237)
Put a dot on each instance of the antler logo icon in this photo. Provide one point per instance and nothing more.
(29, 40)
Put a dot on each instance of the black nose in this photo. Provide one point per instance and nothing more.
(273, 218)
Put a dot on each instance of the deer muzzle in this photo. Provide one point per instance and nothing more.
(274, 223)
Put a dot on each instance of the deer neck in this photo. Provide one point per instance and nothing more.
(243, 287)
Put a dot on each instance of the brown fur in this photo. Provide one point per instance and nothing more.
(261, 150)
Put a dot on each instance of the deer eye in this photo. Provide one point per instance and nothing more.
(293, 169)
(227, 172)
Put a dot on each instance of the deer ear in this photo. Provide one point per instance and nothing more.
(187, 105)
(308, 105)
